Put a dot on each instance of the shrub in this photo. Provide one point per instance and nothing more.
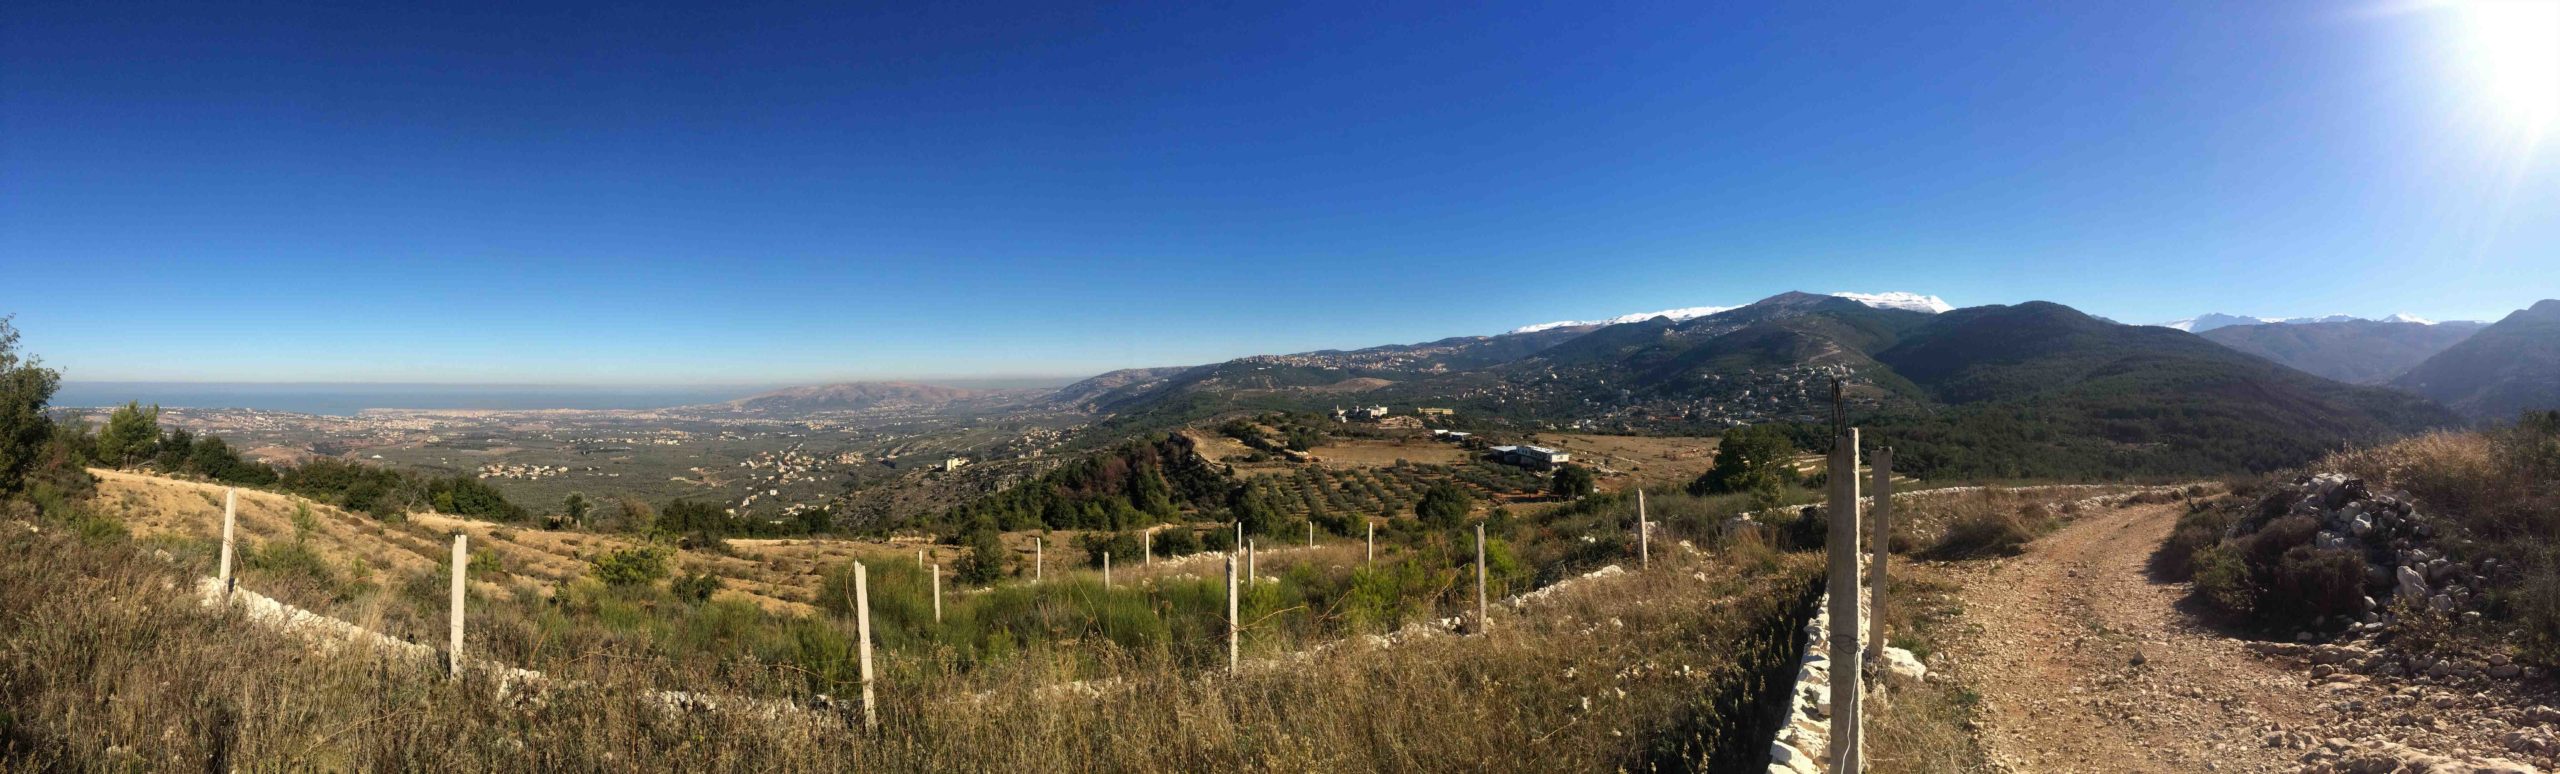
(1572, 482)
(2535, 603)
(2224, 581)
(634, 566)
(292, 559)
(2201, 528)
(2309, 584)
(1443, 506)
(1986, 532)
(2264, 549)
(696, 588)
(1220, 539)
(1119, 544)
(1177, 540)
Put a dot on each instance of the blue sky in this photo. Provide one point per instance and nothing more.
(762, 193)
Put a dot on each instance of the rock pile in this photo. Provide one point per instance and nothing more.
(2402, 547)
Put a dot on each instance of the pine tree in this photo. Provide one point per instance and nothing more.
(132, 435)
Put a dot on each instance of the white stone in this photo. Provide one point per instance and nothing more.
(1900, 663)
(1784, 758)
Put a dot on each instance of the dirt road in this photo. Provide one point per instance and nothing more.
(2085, 664)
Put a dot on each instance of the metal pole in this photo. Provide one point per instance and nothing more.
(1846, 722)
(453, 648)
(937, 593)
(1147, 539)
(1039, 560)
(1373, 541)
(862, 629)
(1249, 569)
(1106, 570)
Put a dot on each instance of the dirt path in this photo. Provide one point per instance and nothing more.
(2084, 663)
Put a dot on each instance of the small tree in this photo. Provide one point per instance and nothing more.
(574, 507)
(1573, 482)
(986, 558)
(132, 435)
(1443, 505)
(25, 387)
(1749, 459)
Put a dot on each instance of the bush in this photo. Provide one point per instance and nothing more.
(1177, 540)
(696, 588)
(1986, 532)
(1573, 482)
(1443, 506)
(2224, 581)
(635, 566)
(986, 558)
(2201, 528)
(1119, 544)
(1220, 539)
(2310, 584)
(2535, 602)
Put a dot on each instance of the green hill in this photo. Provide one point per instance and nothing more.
(2040, 389)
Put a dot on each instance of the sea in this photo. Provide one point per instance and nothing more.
(346, 399)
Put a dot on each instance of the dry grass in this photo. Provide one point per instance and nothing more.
(2500, 492)
(1674, 460)
(2448, 469)
(1384, 452)
(104, 664)
(1925, 728)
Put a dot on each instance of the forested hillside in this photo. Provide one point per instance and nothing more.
(2507, 368)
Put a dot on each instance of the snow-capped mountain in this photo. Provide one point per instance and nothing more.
(2205, 322)
(1889, 300)
(1901, 300)
(1683, 313)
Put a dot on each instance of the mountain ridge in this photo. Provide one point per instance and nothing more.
(2513, 365)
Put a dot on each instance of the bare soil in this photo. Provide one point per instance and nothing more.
(2085, 662)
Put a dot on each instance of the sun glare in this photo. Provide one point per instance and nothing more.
(2512, 48)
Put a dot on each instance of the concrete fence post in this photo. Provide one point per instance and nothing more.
(1483, 624)
(1846, 718)
(1644, 533)
(1106, 570)
(1233, 662)
(1311, 533)
(1879, 513)
(937, 593)
(453, 647)
(1373, 541)
(230, 517)
(862, 630)
(1147, 546)
(920, 559)
(1249, 569)
(1039, 559)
